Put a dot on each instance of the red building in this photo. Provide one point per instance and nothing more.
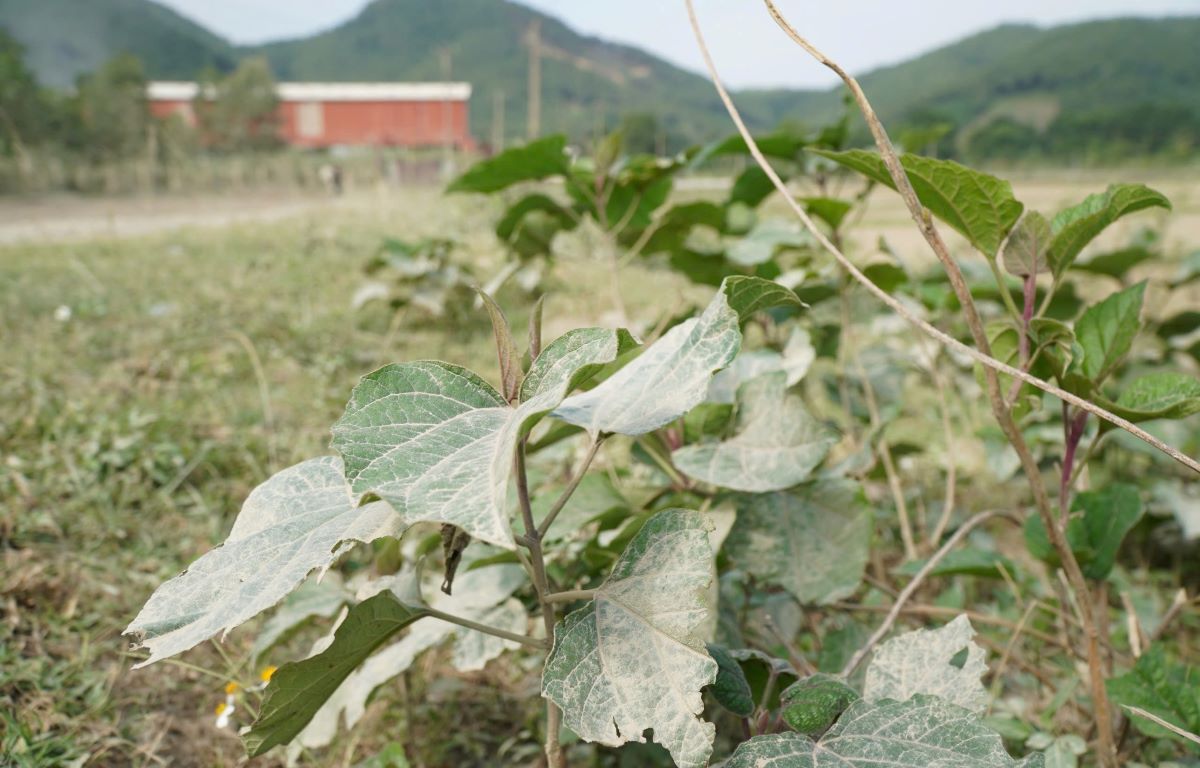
(351, 114)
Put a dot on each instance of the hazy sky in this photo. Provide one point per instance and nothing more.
(749, 48)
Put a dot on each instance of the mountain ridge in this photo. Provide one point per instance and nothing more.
(1021, 74)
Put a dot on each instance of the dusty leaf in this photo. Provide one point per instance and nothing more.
(813, 541)
(437, 442)
(300, 520)
(776, 444)
(632, 658)
(923, 663)
(924, 732)
(672, 376)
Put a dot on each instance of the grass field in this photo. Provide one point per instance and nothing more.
(193, 363)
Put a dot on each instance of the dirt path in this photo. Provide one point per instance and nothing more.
(65, 218)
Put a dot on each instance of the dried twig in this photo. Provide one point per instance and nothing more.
(916, 582)
(1175, 729)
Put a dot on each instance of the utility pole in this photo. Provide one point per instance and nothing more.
(498, 98)
(534, 41)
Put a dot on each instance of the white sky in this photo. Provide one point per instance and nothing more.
(750, 50)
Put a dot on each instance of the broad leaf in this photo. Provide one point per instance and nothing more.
(437, 442)
(925, 732)
(979, 206)
(777, 443)
(300, 520)
(483, 595)
(813, 704)
(672, 376)
(1108, 515)
(797, 356)
(313, 599)
(299, 689)
(632, 659)
(829, 210)
(1079, 225)
(814, 541)
(922, 663)
(970, 561)
(532, 162)
(1115, 263)
(731, 689)
(1106, 331)
(1159, 396)
(1170, 691)
(764, 241)
(1025, 251)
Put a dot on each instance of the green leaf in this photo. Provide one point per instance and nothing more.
(1170, 691)
(312, 599)
(1108, 515)
(1099, 523)
(480, 594)
(970, 561)
(1106, 331)
(776, 444)
(532, 162)
(299, 689)
(796, 358)
(814, 541)
(1079, 225)
(810, 706)
(829, 210)
(731, 690)
(1025, 251)
(761, 670)
(300, 520)
(575, 357)
(1159, 396)
(925, 732)
(922, 662)
(751, 187)
(1115, 263)
(631, 659)
(979, 206)
(437, 442)
(747, 295)
(672, 376)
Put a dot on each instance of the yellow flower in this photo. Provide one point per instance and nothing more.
(266, 674)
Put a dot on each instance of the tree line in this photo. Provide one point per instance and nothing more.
(108, 117)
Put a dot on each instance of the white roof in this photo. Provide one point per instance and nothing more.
(185, 91)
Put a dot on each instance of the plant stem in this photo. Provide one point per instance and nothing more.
(985, 359)
(533, 540)
(1073, 429)
(485, 629)
(570, 596)
(570, 489)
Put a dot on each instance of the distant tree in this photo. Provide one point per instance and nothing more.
(1003, 139)
(23, 105)
(240, 111)
(642, 133)
(113, 108)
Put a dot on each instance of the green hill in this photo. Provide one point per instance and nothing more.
(587, 84)
(66, 38)
(1009, 89)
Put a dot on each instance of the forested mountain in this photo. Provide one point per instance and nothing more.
(1126, 81)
